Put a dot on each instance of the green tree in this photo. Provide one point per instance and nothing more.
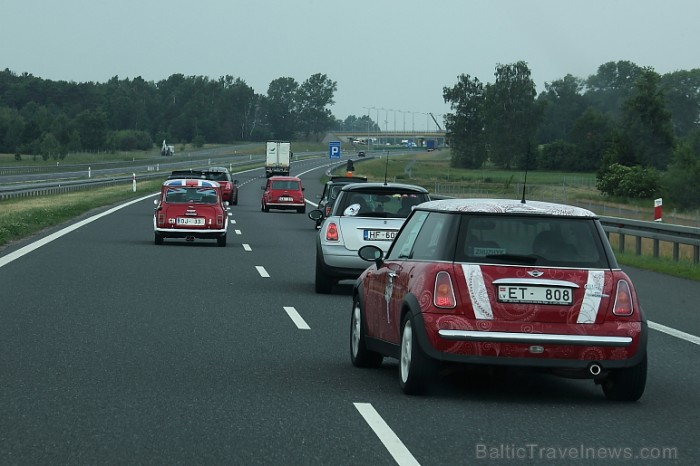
(49, 146)
(612, 85)
(512, 115)
(563, 103)
(92, 127)
(465, 127)
(312, 98)
(592, 134)
(646, 122)
(681, 179)
(280, 107)
(682, 93)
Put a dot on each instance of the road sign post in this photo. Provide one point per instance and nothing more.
(334, 150)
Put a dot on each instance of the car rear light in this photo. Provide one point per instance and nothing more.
(219, 221)
(623, 299)
(161, 219)
(444, 294)
(332, 232)
(328, 211)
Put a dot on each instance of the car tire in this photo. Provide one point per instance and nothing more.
(157, 239)
(359, 354)
(234, 201)
(323, 284)
(301, 210)
(264, 208)
(416, 369)
(221, 241)
(626, 384)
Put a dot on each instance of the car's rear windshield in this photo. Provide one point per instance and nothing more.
(379, 203)
(186, 195)
(216, 176)
(528, 240)
(291, 185)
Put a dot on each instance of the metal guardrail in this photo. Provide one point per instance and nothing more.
(657, 232)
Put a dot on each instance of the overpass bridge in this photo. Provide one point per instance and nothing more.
(387, 138)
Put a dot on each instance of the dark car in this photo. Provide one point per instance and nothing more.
(330, 193)
(364, 213)
(361, 153)
(495, 282)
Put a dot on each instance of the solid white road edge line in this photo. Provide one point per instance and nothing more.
(53, 236)
(261, 270)
(393, 444)
(674, 333)
(296, 318)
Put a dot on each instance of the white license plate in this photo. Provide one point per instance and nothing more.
(190, 221)
(379, 235)
(286, 199)
(535, 294)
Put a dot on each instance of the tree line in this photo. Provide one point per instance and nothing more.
(638, 130)
(50, 119)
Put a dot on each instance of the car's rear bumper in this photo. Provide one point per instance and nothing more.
(190, 232)
(285, 205)
(340, 263)
(611, 345)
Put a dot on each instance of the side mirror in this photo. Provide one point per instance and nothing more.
(371, 253)
(316, 215)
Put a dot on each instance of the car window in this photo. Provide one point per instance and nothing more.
(566, 242)
(380, 203)
(434, 241)
(403, 243)
(286, 184)
(217, 176)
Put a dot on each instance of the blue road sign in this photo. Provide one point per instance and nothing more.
(334, 150)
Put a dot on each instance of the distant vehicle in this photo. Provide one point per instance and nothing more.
(361, 153)
(498, 282)
(364, 213)
(278, 157)
(283, 193)
(330, 194)
(189, 209)
(229, 186)
(167, 150)
(430, 145)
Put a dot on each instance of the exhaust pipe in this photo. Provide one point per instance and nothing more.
(189, 238)
(594, 369)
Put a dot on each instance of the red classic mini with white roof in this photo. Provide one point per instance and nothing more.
(501, 282)
(190, 208)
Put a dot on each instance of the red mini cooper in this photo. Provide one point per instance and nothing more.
(190, 208)
(500, 282)
(284, 193)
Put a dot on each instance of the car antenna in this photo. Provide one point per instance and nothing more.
(386, 167)
(527, 159)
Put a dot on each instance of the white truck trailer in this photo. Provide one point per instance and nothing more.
(278, 158)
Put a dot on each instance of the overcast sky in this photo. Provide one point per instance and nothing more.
(396, 55)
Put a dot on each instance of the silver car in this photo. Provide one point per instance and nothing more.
(364, 213)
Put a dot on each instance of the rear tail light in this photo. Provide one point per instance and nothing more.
(623, 299)
(219, 220)
(328, 211)
(161, 219)
(444, 294)
(332, 232)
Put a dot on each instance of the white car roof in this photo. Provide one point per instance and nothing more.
(507, 206)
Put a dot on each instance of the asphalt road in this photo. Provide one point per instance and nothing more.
(117, 351)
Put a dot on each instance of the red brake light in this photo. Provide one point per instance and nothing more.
(332, 232)
(328, 211)
(444, 294)
(161, 218)
(219, 220)
(623, 300)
